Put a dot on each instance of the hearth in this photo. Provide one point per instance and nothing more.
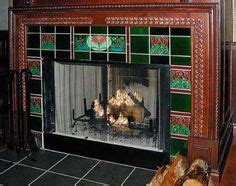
(118, 104)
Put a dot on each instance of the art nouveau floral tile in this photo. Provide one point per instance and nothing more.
(47, 41)
(81, 43)
(34, 65)
(117, 44)
(35, 105)
(159, 45)
(180, 79)
(98, 42)
(180, 125)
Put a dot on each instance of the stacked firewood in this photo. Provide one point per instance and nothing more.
(179, 173)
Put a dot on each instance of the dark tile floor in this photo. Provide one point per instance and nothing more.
(56, 168)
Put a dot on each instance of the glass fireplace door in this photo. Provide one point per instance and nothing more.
(115, 103)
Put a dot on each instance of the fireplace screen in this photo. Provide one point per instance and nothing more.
(120, 104)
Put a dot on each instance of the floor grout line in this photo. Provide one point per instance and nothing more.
(100, 160)
(7, 161)
(24, 165)
(48, 170)
(61, 174)
(94, 182)
(128, 176)
(87, 172)
(13, 165)
(154, 170)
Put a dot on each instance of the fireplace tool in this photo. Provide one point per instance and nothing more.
(24, 142)
(87, 113)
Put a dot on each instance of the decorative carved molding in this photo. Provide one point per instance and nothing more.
(217, 84)
(108, 6)
(198, 58)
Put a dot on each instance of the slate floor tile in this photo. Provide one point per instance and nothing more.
(109, 173)
(4, 165)
(140, 177)
(43, 159)
(89, 183)
(19, 176)
(12, 155)
(50, 179)
(74, 166)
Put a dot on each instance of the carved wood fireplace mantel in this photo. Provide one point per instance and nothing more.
(209, 130)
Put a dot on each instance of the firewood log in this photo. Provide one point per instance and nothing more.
(168, 175)
(198, 174)
(177, 169)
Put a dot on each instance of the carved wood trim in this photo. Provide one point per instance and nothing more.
(217, 84)
(113, 6)
(198, 59)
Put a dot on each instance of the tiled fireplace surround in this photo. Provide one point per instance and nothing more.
(158, 34)
(145, 45)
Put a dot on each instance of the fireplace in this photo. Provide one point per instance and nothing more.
(200, 121)
(118, 104)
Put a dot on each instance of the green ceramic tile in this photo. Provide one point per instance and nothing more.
(159, 31)
(160, 60)
(117, 57)
(180, 46)
(63, 54)
(36, 123)
(139, 44)
(181, 61)
(35, 86)
(33, 41)
(35, 53)
(140, 59)
(98, 29)
(139, 30)
(181, 31)
(82, 29)
(178, 146)
(62, 29)
(33, 29)
(63, 42)
(116, 30)
(99, 56)
(82, 55)
(48, 54)
(181, 102)
(47, 29)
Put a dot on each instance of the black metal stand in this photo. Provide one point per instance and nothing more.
(20, 138)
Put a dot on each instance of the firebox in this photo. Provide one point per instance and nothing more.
(117, 104)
